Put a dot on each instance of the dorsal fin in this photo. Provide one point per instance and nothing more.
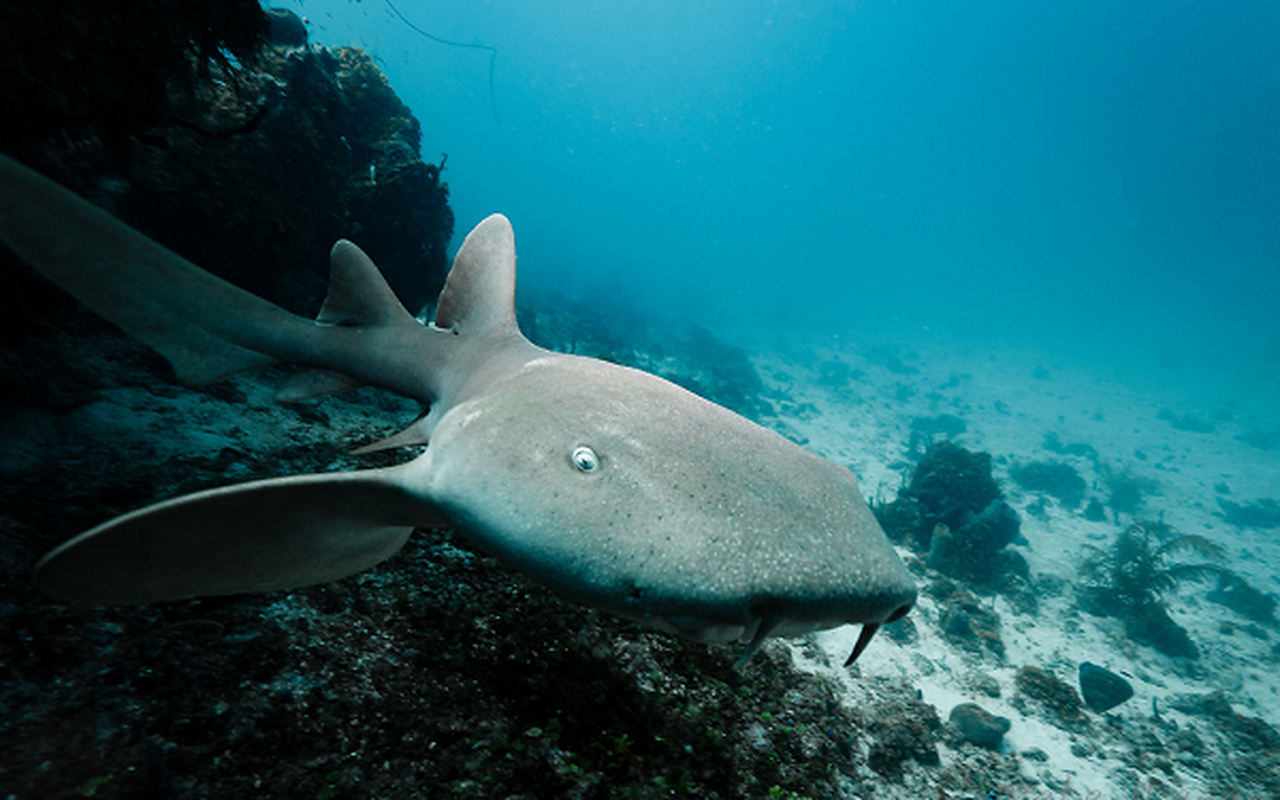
(480, 294)
(358, 294)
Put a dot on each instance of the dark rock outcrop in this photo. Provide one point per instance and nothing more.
(256, 172)
(979, 726)
(954, 512)
(107, 68)
(1101, 688)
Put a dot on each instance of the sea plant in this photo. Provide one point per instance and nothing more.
(1134, 578)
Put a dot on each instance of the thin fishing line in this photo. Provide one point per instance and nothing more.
(493, 53)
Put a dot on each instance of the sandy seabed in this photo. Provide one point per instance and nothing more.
(1010, 400)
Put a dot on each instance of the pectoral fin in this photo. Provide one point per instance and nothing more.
(274, 534)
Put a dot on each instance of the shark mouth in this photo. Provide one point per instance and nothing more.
(864, 639)
(768, 626)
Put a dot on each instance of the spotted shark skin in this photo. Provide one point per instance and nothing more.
(612, 486)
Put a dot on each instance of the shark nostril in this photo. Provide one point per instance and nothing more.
(900, 613)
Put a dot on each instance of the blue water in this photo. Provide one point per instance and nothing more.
(1096, 178)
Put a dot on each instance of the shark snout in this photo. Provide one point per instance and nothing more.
(898, 603)
(809, 613)
(899, 600)
(890, 601)
(777, 614)
(903, 609)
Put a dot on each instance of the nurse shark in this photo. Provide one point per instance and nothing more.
(611, 486)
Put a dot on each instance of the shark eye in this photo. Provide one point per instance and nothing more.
(585, 459)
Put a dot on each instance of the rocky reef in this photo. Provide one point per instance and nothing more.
(251, 163)
(954, 511)
(107, 69)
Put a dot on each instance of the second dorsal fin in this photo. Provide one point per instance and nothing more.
(358, 294)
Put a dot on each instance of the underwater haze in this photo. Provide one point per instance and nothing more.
(1100, 179)
(1015, 264)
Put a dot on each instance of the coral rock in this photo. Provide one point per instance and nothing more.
(1101, 688)
(979, 726)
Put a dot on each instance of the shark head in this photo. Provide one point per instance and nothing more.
(612, 486)
(659, 506)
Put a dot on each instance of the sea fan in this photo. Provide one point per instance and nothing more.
(1132, 579)
(1135, 574)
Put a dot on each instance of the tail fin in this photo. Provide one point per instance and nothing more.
(206, 327)
(195, 320)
